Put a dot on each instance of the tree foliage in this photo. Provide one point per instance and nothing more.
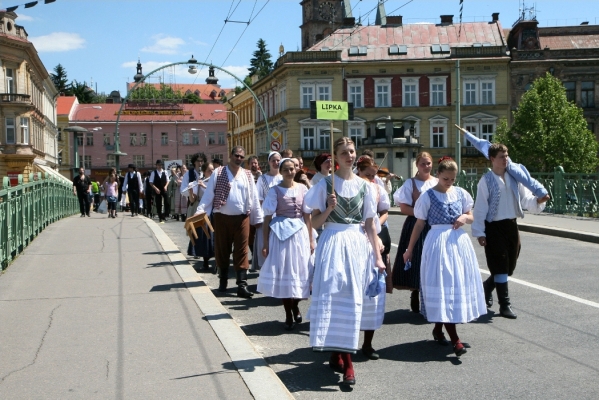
(165, 92)
(85, 95)
(60, 80)
(261, 63)
(549, 131)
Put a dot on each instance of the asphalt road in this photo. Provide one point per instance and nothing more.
(550, 352)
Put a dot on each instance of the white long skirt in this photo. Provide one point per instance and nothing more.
(373, 311)
(452, 289)
(286, 271)
(335, 313)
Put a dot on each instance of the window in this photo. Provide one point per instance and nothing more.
(307, 96)
(438, 132)
(25, 130)
(164, 138)
(410, 92)
(164, 158)
(570, 91)
(139, 161)
(324, 93)
(591, 127)
(188, 159)
(487, 131)
(10, 81)
(59, 135)
(356, 134)
(110, 160)
(133, 139)
(308, 139)
(80, 139)
(186, 138)
(195, 137)
(282, 99)
(106, 140)
(314, 90)
(479, 90)
(143, 139)
(480, 125)
(10, 131)
(473, 129)
(587, 95)
(218, 156)
(382, 89)
(88, 162)
(355, 92)
(211, 139)
(323, 139)
(221, 138)
(438, 91)
(470, 171)
(89, 139)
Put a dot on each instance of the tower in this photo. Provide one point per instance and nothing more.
(320, 18)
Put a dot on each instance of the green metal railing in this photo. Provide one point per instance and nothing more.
(570, 193)
(27, 208)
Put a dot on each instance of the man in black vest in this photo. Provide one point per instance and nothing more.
(159, 182)
(133, 186)
(82, 187)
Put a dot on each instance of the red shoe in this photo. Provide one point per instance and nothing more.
(459, 349)
(336, 362)
(349, 377)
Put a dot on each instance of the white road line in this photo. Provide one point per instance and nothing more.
(544, 289)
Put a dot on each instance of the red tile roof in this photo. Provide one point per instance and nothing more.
(194, 112)
(417, 37)
(203, 89)
(64, 104)
(570, 42)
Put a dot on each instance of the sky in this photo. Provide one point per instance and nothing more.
(100, 41)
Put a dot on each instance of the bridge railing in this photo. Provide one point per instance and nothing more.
(27, 208)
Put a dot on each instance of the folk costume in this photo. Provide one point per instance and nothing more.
(341, 260)
(499, 201)
(204, 244)
(160, 180)
(234, 201)
(409, 279)
(265, 182)
(452, 290)
(133, 186)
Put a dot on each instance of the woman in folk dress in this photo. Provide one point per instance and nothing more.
(452, 290)
(341, 259)
(405, 197)
(287, 244)
(265, 182)
(204, 244)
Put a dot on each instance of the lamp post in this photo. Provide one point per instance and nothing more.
(83, 131)
(205, 135)
(238, 124)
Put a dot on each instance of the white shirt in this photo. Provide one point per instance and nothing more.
(185, 182)
(404, 193)
(271, 181)
(423, 204)
(243, 195)
(507, 208)
(160, 173)
(131, 175)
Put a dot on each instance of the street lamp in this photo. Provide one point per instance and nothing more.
(238, 124)
(83, 131)
(80, 129)
(205, 135)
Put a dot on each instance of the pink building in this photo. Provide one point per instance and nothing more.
(148, 132)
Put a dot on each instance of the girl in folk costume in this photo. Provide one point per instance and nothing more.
(373, 306)
(287, 244)
(265, 182)
(406, 196)
(323, 168)
(341, 259)
(204, 245)
(452, 290)
(175, 192)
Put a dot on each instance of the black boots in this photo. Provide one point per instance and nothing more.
(242, 290)
(489, 286)
(415, 301)
(504, 301)
(224, 278)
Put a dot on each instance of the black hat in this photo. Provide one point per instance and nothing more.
(131, 166)
(158, 162)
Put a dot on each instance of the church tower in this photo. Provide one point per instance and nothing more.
(320, 18)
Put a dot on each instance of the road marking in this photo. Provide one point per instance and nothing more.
(544, 289)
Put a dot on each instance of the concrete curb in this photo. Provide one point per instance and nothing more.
(260, 379)
(546, 230)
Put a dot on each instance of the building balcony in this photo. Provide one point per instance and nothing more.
(469, 151)
(15, 98)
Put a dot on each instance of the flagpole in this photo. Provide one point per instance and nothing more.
(332, 158)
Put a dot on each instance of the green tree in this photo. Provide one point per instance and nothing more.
(84, 94)
(59, 78)
(261, 63)
(247, 81)
(549, 131)
(151, 92)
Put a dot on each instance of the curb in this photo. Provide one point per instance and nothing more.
(260, 379)
(546, 230)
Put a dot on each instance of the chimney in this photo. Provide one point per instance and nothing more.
(349, 21)
(495, 17)
(395, 20)
(446, 19)
(584, 23)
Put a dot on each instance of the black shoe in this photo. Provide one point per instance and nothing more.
(242, 291)
(222, 287)
(89, 215)
(289, 324)
(503, 298)
(440, 338)
(489, 286)
(415, 301)
(82, 216)
(370, 353)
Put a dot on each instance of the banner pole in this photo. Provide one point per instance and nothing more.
(332, 158)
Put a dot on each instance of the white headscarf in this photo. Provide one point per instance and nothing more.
(272, 153)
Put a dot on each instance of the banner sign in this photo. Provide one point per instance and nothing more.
(332, 110)
(168, 164)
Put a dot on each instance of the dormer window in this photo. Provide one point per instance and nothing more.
(358, 50)
(395, 49)
(440, 49)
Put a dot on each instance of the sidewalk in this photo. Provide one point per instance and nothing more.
(97, 308)
(565, 226)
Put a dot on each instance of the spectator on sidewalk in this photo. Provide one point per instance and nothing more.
(111, 188)
(96, 195)
(133, 186)
(232, 194)
(82, 188)
(159, 182)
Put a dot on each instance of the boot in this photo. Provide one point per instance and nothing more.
(489, 286)
(503, 298)
(224, 279)
(349, 377)
(415, 301)
(242, 290)
(336, 362)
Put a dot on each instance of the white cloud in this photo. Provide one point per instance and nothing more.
(57, 42)
(23, 17)
(164, 45)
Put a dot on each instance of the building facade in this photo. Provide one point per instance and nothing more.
(65, 108)
(28, 125)
(147, 132)
(240, 121)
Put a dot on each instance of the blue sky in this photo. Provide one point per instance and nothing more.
(99, 41)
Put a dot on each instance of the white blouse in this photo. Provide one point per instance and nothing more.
(423, 204)
(271, 180)
(316, 198)
(270, 202)
(404, 193)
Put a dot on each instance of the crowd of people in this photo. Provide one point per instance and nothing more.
(327, 239)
